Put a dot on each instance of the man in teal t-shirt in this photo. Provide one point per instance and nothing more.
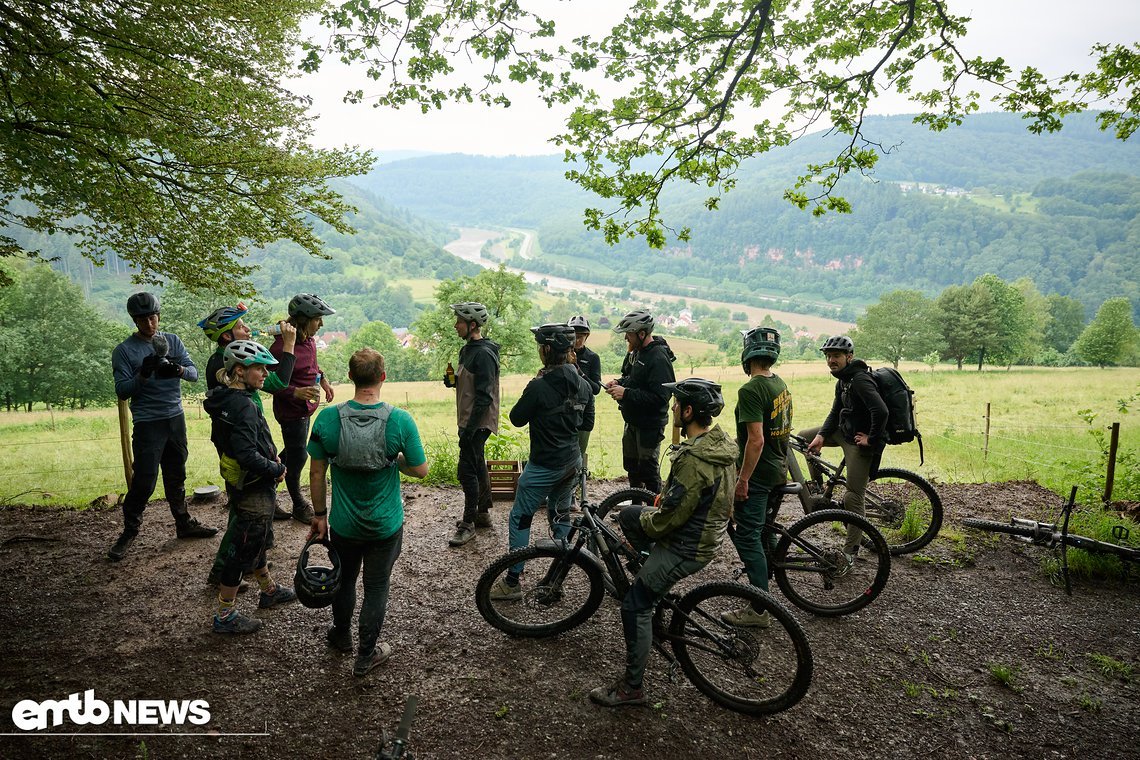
(366, 526)
(763, 424)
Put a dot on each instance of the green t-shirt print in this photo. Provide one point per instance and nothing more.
(768, 401)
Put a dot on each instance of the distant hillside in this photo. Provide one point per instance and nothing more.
(1060, 208)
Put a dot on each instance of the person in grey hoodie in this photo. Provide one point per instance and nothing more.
(476, 383)
(553, 404)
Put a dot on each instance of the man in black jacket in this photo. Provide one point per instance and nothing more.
(857, 423)
(643, 398)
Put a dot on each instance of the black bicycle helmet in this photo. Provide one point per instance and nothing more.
(471, 311)
(760, 342)
(838, 343)
(559, 336)
(316, 585)
(309, 306)
(245, 353)
(636, 321)
(703, 395)
(143, 305)
(580, 323)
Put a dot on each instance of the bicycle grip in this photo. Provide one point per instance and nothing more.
(405, 728)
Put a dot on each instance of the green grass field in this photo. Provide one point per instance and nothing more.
(1035, 431)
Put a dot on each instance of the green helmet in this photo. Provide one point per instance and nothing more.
(222, 320)
(760, 342)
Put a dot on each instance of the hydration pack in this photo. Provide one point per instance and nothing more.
(363, 442)
(899, 398)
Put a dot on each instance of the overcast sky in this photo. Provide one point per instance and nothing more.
(1053, 35)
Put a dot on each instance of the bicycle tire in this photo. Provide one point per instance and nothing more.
(808, 562)
(996, 527)
(756, 671)
(624, 497)
(904, 507)
(545, 609)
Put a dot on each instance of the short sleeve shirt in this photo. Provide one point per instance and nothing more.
(366, 505)
(768, 401)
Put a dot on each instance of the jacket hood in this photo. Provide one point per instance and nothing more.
(714, 447)
(854, 367)
(660, 344)
(564, 378)
(221, 397)
(483, 344)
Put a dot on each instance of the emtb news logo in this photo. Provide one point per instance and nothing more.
(30, 715)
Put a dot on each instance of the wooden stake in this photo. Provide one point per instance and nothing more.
(1113, 444)
(125, 441)
(986, 447)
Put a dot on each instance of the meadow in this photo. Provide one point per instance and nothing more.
(1036, 430)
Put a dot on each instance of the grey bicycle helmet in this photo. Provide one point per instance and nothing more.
(143, 305)
(579, 323)
(838, 343)
(245, 353)
(309, 306)
(558, 336)
(635, 321)
(703, 395)
(471, 311)
(760, 342)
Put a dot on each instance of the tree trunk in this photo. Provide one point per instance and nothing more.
(981, 357)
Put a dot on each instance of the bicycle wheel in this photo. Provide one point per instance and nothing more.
(625, 498)
(557, 594)
(904, 507)
(751, 670)
(813, 573)
(995, 527)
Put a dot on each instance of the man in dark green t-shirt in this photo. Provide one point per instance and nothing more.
(366, 526)
(763, 424)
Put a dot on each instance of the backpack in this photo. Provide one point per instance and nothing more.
(899, 398)
(362, 439)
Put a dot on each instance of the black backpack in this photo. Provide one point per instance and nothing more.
(899, 398)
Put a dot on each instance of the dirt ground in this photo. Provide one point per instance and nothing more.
(908, 676)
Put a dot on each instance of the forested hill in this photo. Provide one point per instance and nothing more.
(947, 207)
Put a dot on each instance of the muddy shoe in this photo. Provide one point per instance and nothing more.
(281, 595)
(617, 695)
(746, 617)
(303, 513)
(366, 664)
(464, 532)
(191, 528)
(340, 640)
(505, 592)
(281, 514)
(483, 520)
(122, 543)
(844, 562)
(236, 623)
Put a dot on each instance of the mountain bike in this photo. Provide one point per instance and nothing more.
(1048, 534)
(903, 505)
(397, 747)
(756, 671)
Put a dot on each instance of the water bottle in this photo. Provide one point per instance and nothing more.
(274, 329)
(317, 385)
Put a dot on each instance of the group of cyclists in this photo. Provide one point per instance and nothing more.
(362, 445)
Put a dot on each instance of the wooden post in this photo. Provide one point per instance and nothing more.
(986, 447)
(1113, 444)
(125, 441)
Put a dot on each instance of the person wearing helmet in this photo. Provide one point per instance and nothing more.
(590, 365)
(294, 405)
(252, 469)
(223, 326)
(857, 424)
(763, 424)
(553, 404)
(642, 398)
(682, 533)
(366, 525)
(476, 384)
(149, 368)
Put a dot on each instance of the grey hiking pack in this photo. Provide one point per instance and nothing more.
(363, 442)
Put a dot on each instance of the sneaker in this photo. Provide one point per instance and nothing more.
(122, 543)
(339, 640)
(281, 514)
(464, 532)
(845, 562)
(483, 520)
(366, 664)
(236, 623)
(617, 695)
(746, 617)
(281, 595)
(505, 592)
(191, 528)
(303, 512)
